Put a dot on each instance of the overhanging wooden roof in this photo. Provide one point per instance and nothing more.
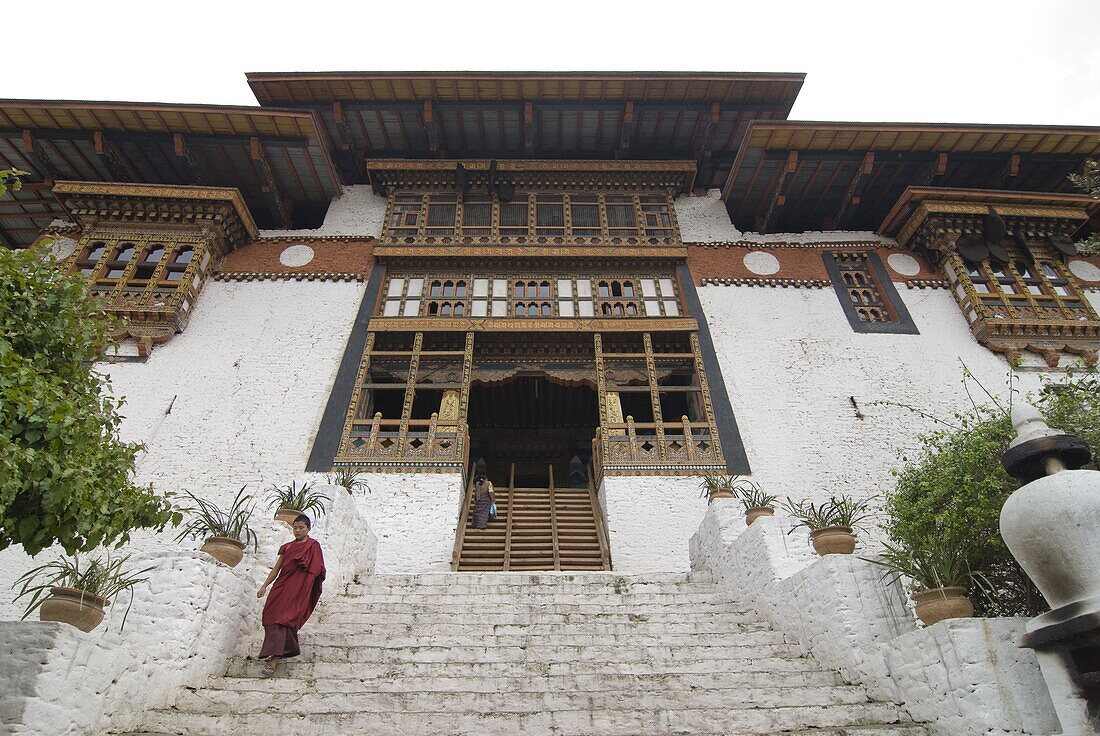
(541, 115)
(797, 176)
(278, 159)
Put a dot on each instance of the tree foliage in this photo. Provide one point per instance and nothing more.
(1089, 182)
(955, 486)
(65, 476)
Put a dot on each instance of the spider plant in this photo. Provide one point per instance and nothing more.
(752, 495)
(104, 578)
(300, 498)
(936, 563)
(349, 479)
(837, 511)
(209, 520)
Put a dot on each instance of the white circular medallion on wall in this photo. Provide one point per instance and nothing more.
(1084, 270)
(62, 247)
(761, 263)
(903, 263)
(296, 255)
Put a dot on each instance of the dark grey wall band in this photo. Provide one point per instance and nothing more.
(737, 461)
(327, 441)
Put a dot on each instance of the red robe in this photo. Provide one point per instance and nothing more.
(297, 589)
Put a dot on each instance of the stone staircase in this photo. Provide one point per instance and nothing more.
(510, 653)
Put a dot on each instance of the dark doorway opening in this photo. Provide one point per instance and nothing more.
(532, 421)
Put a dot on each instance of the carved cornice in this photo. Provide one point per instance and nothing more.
(534, 175)
(528, 251)
(95, 204)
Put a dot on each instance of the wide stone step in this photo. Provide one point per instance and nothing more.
(527, 579)
(863, 730)
(345, 637)
(514, 605)
(312, 700)
(609, 598)
(283, 716)
(306, 669)
(560, 653)
(432, 617)
(322, 627)
(288, 681)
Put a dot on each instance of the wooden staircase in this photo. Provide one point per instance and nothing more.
(535, 529)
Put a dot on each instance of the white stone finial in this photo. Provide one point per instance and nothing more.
(1029, 424)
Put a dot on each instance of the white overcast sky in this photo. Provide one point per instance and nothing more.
(975, 61)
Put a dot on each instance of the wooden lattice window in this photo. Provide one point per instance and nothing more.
(526, 296)
(866, 295)
(1037, 286)
(589, 217)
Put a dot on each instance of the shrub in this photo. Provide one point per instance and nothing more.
(954, 487)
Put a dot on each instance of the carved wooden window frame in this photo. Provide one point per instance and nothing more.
(499, 294)
(619, 218)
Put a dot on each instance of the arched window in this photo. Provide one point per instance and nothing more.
(96, 252)
(605, 291)
(433, 308)
(460, 309)
(628, 289)
(855, 297)
(618, 310)
(546, 312)
(125, 253)
(154, 254)
(436, 289)
(460, 288)
(631, 310)
(521, 311)
(616, 288)
(519, 289)
(606, 309)
(445, 310)
(544, 289)
(184, 256)
(448, 288)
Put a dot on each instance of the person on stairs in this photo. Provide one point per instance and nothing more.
(298, 573)
(483, 501)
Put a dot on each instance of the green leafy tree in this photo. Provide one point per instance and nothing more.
(65, 476)
(954, 488)
(1089, 182)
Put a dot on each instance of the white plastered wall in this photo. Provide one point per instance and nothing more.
(234, 400)
(356, 212)
(650, 521)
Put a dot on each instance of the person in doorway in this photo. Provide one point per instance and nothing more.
(298, 573)
(483, 499)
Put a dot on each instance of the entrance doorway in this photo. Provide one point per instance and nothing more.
(530, 423)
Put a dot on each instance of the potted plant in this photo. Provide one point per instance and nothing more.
(68, 591)
(349, 479)
(831, 524)
(939, 576)
(756, 502)
(226, 533)
(291, 501)
(716, 485)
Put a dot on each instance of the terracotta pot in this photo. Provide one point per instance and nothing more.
(226, 550)
(940, 603)
(833, 540)
(287, 515)
(74, 607)
(756, 512)
(719, 494)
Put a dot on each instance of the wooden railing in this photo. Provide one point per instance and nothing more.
(463, 520)
(641, 444)
(601, 520)
(415, 442)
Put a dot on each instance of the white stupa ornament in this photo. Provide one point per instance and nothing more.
(1052, 527)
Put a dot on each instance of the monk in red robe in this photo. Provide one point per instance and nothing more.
(298, 573)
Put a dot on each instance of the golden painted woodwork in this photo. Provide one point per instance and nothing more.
(147, 250)
(1031, 303)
